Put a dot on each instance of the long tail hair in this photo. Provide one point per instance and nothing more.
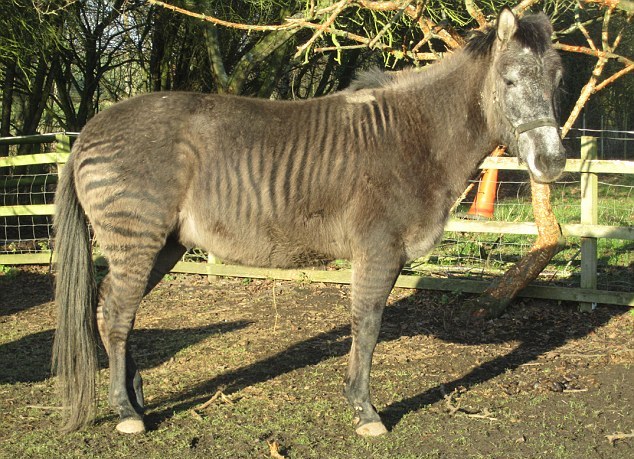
(75, 345)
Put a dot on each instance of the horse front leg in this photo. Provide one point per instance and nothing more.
(372, 281)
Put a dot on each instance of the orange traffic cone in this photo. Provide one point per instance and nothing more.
(482, 207)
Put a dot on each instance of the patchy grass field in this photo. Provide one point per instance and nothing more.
(233, 366)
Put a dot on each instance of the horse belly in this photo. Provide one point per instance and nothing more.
(260, 244)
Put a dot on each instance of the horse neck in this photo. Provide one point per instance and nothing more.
(449, 100)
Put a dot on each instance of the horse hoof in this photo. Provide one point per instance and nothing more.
(371, 429)
(131, 426)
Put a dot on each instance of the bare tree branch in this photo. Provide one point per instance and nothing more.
(222, 22)
(613, 78)
(341, 5)
(475, 12)
(624, 5)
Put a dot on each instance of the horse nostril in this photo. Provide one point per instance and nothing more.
(541, 163)
(551, 164)
(559, 161)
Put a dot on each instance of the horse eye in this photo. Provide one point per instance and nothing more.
(508, 82)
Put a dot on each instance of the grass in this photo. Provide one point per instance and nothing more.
(9, 271)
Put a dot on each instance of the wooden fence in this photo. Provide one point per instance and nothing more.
(588, 230)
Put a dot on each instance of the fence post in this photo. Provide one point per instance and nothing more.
(589, 216)
(212, 260)
(62, 145)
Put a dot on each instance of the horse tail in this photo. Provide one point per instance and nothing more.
(75, 344)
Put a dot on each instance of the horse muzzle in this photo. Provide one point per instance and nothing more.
(541, 148)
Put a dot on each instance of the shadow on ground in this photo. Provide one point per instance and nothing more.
(29, 359)
(30, 290)
(539, 331)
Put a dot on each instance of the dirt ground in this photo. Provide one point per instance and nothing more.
(241, 368)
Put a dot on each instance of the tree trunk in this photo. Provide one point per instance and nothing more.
(38, 96)
(7, 104)
(272, 70)
(63, 75)
(264, 48)
(86, 108)
(161, 31)
(218, 71)
(501, 292)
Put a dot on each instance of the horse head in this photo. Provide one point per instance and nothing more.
(520, 93)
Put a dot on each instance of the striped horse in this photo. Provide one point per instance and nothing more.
(368, 174)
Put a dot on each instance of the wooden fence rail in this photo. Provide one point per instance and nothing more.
(588, 230)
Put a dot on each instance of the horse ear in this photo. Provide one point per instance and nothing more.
(506, 25)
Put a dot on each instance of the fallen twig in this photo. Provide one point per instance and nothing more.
(218, 395)
(619, 436)
(453, 409)
(485, 414)
(226, 399)
(582, 356)
(45, 407)
(274, 449)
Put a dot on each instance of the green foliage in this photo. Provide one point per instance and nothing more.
(8, 272)
(25, 32)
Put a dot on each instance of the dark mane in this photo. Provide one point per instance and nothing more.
(533, 32)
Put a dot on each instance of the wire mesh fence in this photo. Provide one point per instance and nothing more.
(26, 233)
(460, 254)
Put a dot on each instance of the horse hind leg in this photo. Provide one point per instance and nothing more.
(106, 319)
(118, 300)
(169, 255)
(120, 294)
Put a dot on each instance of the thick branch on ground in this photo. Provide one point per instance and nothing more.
(500, 293)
